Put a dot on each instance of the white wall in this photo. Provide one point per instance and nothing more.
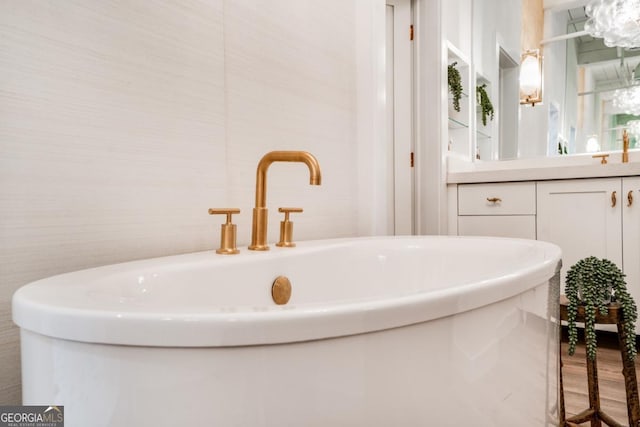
(430, 119)
(122, 122)
(457, 24)
(495, 22)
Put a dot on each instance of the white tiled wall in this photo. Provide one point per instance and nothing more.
(279, 96)
(122, 122)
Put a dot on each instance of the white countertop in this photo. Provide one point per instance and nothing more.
(538, 169)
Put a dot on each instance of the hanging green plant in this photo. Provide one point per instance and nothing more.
(455, 85)
(485, 103)
(593, 283)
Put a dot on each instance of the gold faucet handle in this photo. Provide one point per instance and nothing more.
(227, 231)
(602, 156)
(224, 211)
(287, 211)
(286, 228)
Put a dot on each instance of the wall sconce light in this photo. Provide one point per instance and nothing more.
(531, 77)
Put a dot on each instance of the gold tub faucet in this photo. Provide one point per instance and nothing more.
(259, 227)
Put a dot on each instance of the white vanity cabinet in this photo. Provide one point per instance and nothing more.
(599, 217)
(583, 217)
(502, 209)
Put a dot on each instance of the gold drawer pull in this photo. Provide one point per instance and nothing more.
(494, 199)
(613, 199)
(630, 198)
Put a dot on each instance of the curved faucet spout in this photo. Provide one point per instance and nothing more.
(315, 176)
(259, 229)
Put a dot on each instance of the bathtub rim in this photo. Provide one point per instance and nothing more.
(281, 326)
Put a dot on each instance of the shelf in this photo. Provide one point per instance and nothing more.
(464, 95)
(480, 80)
(482, 136)
(456, 124)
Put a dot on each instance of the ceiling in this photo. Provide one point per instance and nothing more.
(611, 67)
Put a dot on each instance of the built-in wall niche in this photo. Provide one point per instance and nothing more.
(459, 116)
(470, 137)
(486, 148)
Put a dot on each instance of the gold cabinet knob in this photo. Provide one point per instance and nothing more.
(227, 231)
(494, 200)
(630, 198)
(613, 199)
(286, 228)
(603, 158)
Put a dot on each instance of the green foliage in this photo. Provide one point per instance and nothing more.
(455, 84)
(593, 282)
(485, 103)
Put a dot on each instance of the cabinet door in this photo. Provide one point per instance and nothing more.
(582, 218)
(631, 236)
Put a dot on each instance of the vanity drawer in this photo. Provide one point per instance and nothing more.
(518, 226)
(513, 198)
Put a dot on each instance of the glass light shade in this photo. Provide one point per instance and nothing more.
(530, 78)
(633, 127)
(627, 100)
(615, 21)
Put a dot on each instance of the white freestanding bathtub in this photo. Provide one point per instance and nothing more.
(415, 331)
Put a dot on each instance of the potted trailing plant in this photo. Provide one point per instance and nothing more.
(594, 283)
(455, 84)
(485, 103)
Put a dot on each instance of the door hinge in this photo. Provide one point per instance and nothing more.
(412, 159)
(410, 32)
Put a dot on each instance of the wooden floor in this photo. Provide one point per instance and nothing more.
(610, 380)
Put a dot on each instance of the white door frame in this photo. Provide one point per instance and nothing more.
(400, 116)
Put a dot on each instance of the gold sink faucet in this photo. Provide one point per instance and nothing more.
(259, 227)
(625, 147)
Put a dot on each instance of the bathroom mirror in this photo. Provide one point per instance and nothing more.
(599, 83)
(584, 83)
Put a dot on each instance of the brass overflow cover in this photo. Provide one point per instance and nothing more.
(281, 290)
